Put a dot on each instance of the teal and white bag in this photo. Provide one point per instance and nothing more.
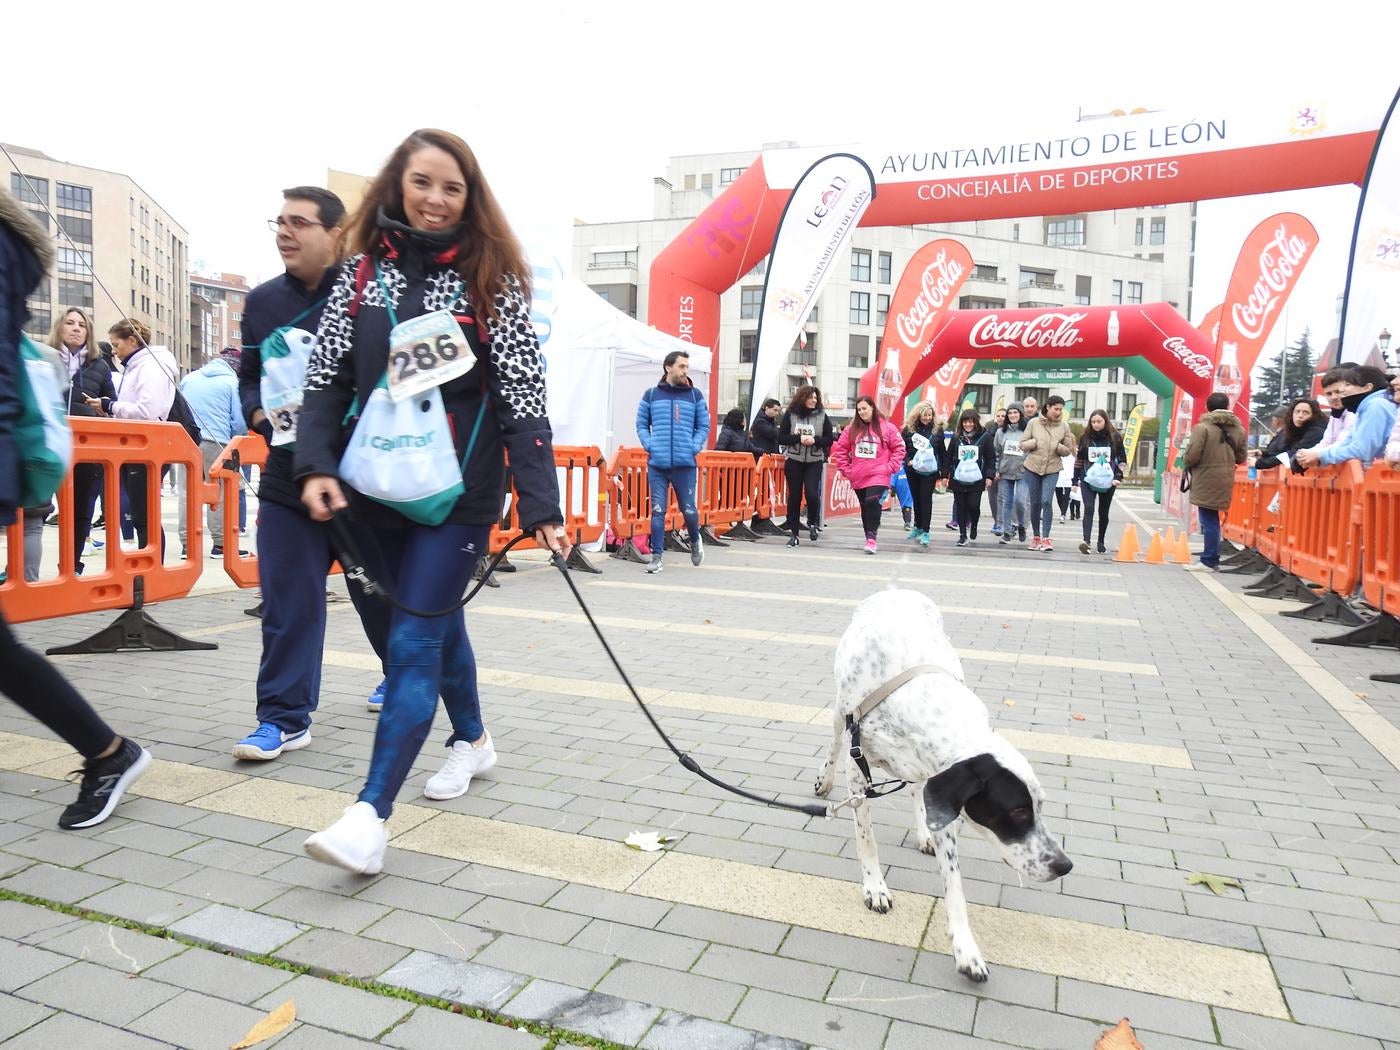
(401, 455)
(285, 355)
(42, 434)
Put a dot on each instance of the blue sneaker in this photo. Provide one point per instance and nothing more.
(268, 741)
(376, 698)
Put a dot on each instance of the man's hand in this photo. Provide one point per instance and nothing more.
(1308, 457)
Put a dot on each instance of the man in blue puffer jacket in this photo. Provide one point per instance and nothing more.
(673, 425)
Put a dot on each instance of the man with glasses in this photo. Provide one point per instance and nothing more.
(294, 552)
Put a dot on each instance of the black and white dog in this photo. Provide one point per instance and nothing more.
(933, 732)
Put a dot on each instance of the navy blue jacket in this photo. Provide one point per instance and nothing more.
(271, 305)
(673, 425)
(21, 267)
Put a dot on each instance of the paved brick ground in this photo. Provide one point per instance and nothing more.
(1284, 795)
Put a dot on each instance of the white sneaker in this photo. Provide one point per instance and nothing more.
(355, 842)
(463, 762)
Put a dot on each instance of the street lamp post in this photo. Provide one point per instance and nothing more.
(1383, 341)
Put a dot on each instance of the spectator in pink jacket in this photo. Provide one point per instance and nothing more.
(867, 453)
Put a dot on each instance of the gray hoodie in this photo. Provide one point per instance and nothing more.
(1010, 465)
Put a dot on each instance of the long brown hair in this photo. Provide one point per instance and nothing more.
(489, 249)
(798, 405)
(876, 418)
(90, 351)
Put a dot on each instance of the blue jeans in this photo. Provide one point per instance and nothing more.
(426, 567)
(294, 555)
(1037, 493)
(1013, 507)
(1210, 533)
(682, 479)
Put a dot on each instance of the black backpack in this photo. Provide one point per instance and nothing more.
(180, 412)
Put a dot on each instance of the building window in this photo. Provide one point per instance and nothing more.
(860, 265)
(745, 390)
(133, 297)
(1113, 375)
(40, 321)
(886, 267)
(972, 302)
(28, 190)
(1065, 233)
(750, 303)
(1137, 232)
(1129, 403)
(1112, 404)
(74, 198)
(882, 309)
(1158, 232)
(858, 354)
(1117, 296)
(860, 307)
(76, 293)
(760, 269)
(72, 260)
(1015, 231)
(707, 181)
(803, 355)
(748, 343)
(613, 260)
(728, 175)
(1076, 404)
(981, 394)
(983, 272)
(1083, 287)
(852, 392)
(1038, 279)
(795, 381)
(1134, 291)
(1040, 393)
(689, 182)
(79, 230)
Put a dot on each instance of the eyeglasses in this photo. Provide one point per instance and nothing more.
(296, 222)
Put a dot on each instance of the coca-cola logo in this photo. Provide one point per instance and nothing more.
(1194, 362)
(1042, 332)
(940, 279)
(841, 498)
(1279, 260)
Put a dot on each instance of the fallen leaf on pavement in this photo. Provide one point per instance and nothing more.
(1363, 696)
(1216, 883)
(1009, 702)
(709, 621)
(273, 1024)
(1120, 1037)
(1076, 716)
(648, 841)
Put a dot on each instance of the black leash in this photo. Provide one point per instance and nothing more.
(353, 563)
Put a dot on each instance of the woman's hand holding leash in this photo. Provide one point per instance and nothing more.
(322, 495)
(555, 539)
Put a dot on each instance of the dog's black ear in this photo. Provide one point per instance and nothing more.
(946, 794)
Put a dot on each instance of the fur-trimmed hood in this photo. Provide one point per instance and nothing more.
(17, 217)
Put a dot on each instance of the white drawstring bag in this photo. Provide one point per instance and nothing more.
(401, 455)
(285, 355)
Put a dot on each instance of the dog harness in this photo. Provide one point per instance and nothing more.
(873, 700)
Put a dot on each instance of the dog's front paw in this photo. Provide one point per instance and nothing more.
(927, 844)
(824, 779)
(970, 964)
(877, 897)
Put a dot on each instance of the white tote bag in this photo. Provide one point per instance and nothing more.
(401, 455)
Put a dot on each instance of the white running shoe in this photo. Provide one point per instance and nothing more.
(355, 842)
(463, 762)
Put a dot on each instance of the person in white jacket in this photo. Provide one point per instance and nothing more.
(146, 391)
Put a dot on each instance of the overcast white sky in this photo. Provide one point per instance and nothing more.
(574, 107)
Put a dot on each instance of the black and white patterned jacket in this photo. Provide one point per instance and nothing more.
(350, 358)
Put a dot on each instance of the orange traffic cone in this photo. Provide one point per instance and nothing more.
(1128, 549)
(1182, 554)
(1154, 550)
(1169, 541)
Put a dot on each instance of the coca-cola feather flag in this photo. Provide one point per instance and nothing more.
(1265, 274)
(1373, 274)
(825, 207)
(927, 289)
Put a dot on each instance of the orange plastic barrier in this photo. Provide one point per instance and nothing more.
(1239, 524)
(1380, 531)
(771, 487)
(726, 487)
(1268, 538)
(582, 497)
(128, 575)
(245, 450)
(1320, 526)
(630, 509)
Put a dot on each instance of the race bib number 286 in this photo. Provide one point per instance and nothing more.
(425, 352)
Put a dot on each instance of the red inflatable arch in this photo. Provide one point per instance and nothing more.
(1154, 331)
(1127, 162)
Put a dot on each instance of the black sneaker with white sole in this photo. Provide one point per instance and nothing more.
(654, 565)
(104, 782)
(697, 551)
